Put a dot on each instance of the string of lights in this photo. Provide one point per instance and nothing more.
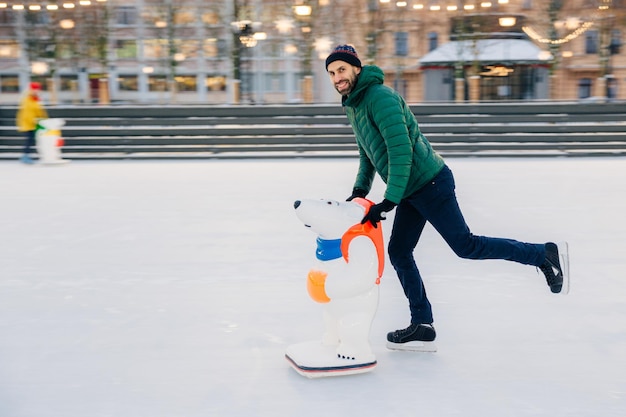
(532, 33)
(35, 7)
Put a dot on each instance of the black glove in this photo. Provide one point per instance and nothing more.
(357, 192)
(378, 212)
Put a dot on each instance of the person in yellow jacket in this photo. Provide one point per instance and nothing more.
(29, 113)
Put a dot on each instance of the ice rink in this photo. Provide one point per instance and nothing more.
(171, 289)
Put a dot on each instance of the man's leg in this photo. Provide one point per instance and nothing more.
(29, 142)
(437, 202)
(407, 228)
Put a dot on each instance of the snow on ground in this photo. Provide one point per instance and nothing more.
(166, 289)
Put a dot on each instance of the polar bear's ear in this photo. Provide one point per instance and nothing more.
(355, 210)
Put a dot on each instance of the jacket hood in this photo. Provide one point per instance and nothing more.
(370, 75)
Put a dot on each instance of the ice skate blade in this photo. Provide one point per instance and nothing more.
(414, 346)
(564, 260)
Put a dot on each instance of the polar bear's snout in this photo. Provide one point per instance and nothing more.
(296, 204)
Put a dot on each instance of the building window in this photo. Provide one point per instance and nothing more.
(402, 43)
(126, 49)
(155, 48)
(186, 82)
(591, 42)
(9, 84)
(126, 15)
(616, 42)
(9, 49)
(372, 5)
(211, 18)
(216, 83)
(37, 18)
(157, 83)
(6, 17)
(127, 83)
(584, 88)
(400, 85)
(186, 48)
(68, 83)
(211, 48)
(184, 18)
(433, 40)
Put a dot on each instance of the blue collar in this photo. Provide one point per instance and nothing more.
(328, 250)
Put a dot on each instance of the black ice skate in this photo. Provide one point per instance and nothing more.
(416, 337)
(556, 267)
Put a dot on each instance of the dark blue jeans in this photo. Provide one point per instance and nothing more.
(436, 203)
(29, 141)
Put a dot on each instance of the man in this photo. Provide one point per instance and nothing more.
(420, 186)
(29, 113)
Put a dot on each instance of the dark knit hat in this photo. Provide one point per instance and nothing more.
(344, 53)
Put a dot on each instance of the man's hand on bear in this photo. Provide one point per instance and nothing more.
(378, 212)
(357, 192)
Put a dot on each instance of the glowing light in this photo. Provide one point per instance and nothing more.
(39, 68)
(284, 25)
(291, 49)
(66, 24)
(68, 5)
(303, 10)
(507, 21)
(323, 46)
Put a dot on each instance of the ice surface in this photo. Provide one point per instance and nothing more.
(171, 289)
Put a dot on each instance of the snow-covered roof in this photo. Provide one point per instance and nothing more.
(519, 51)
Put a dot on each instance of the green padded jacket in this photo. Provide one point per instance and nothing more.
(388, 138)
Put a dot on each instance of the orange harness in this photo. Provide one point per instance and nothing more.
(374, 233)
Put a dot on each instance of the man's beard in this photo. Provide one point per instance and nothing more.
(351, 84)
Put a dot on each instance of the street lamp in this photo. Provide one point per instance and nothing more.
(246, 36)
(303, 13)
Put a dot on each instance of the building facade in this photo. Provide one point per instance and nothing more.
(272, 51)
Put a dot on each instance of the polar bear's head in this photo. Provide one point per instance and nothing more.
(52, 124)
(329, 218)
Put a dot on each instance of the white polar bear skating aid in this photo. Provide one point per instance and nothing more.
(350, 262)
(49, 141)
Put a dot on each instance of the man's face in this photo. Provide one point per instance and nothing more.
(343, 76)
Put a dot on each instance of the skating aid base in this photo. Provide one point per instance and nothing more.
(314, 360)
